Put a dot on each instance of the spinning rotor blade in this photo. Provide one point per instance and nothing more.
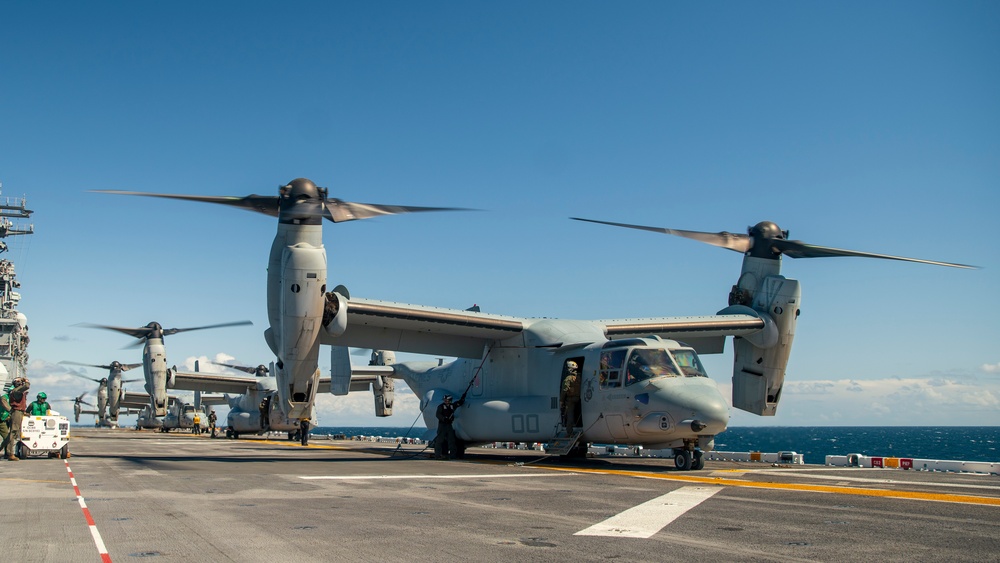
(339, 211)
(260, 370)
(724, 239)
(333, 209)
(799, 249)
(95, 380)
(154, 330)
(82, 364)
(268, 205)
(248, 369)
(167, 331)
(124, 367)
(766, 240)
(140, 332)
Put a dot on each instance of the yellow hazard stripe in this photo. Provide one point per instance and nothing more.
(884, 493)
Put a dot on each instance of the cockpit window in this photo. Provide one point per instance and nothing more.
(689, 363)
(611, 365)
(647, 363)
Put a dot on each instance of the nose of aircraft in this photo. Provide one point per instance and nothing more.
(700, 406)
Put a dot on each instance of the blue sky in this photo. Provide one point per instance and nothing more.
(856, 125)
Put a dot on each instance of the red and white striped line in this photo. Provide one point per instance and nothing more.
(90, 521)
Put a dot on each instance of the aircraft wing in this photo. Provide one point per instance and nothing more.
(133, 400)
(213, 382)
(385, 325)
(361, 378)
(212, 400)
(706, 334)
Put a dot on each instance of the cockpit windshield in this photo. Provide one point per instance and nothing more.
(647, 363)
(689, 363)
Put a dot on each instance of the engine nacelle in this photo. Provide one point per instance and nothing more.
(335, 314)
(384, 390)
(760, 360)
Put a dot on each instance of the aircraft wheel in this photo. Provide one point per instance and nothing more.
(699, 461)
(579, 451)
(291, 436)
(682, 459)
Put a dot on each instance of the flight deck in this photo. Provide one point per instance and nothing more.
(125, 495)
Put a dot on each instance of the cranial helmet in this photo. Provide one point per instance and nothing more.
(447, 398)
(42, 395)
(572, 365)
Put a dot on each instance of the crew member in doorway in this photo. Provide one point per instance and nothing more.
(446, 432)
(569, 398)
(39, 407)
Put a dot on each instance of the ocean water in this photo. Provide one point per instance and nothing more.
(967, 443)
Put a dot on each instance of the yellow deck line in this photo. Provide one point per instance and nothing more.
(884, 493)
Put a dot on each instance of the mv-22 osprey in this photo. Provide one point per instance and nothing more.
(110, 390)
(254, 407)
(154, 358)
(298, 304)
(642, 381)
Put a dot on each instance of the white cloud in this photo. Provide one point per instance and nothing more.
(991, 368)
(206, 364)
(358, 409)
(932, 401)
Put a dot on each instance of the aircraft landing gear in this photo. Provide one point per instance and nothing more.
(699, 460)
(683, 460)
(687, 460)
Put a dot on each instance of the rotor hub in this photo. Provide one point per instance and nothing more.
(301, 202)
(760, 236)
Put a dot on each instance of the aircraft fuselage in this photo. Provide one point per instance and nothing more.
(154, 365)
(647, 391)
(296, 289)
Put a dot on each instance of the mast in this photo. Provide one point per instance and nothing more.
(13, 324)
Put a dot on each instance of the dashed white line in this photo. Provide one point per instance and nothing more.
(98, 541)
(650, 517)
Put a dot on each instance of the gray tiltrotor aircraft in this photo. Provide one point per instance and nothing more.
(253, 404)
(78, 404)
(110, 390)
(154, 357)
(297, 297)
(640, 380)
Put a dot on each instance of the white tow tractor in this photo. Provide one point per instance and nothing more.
(44, 435)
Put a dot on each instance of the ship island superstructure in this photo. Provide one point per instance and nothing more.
(13, 323)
